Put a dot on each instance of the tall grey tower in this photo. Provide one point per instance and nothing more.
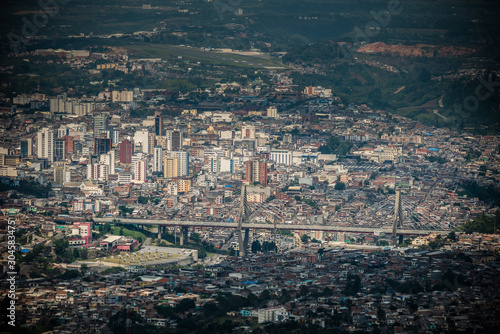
(100, 124)
(242, 218)
(398, 217)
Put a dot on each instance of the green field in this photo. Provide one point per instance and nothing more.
(148, 50)
(115, 230)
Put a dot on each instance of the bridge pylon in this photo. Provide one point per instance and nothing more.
(398, 217)
(243, 215)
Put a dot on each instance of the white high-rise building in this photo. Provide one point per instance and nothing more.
(158, 159)
(272, 112)
(45, 144)
(139, 171)
(172, 188)
(97, 172)
(218, 164)
(183, 158)
(213, 164)
(62, 131)
(248, 132)
(226, 165)
(112, 161)
(108, 159)
(123, 96)
(168, 140)
(141, 138)
(282, 157)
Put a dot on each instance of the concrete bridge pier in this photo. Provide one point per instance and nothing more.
(184, 235)
(245, 242)
(162, 229)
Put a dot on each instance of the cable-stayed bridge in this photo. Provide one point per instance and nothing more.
(244, 222)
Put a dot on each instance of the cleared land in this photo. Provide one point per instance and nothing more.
(147, 50)
(137, 258)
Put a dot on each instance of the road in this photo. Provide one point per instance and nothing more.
(326, 228)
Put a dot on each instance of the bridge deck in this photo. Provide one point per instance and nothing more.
(234, 225)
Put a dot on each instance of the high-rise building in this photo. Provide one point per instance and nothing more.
(112, 161)
(141, 138)
(213, 164)
(158, 124)
(26, 148)
(256, 171)
(226, 165)
(183, 185)
(100, 124)
(59, 149)
(109, 160)
(123, 96)
(283, 157)
(151, 143)
(139, 171)
(62, 131)
(126, 152)
(176, 140)
(171, 167)
(77, 147)
(248, 132)
(102, 145)
(272, 112)
(162, 142)
(172, 188)
(59, 176)
(115, 136)
(158, 159)
(97, 172)
(219, 164)
(45, 144)
(69, 143)
(168, 140)
(183, 158)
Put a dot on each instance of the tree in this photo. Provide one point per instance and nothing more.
(270, 198)
(60, 245)
(142, 200)
(256, 247)
(304, 239)
(340, 186)
(353, 285)
(382, 243)
(124, 210)
(106, 228)
(424, 75)
(335, 146)
(195, 237)
(268, 246)
(84, 268)
(184, 305)
(84, 253)
(452, 236)
(380, 314)
(304, 291)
